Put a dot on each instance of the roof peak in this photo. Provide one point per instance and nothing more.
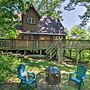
(31, 6)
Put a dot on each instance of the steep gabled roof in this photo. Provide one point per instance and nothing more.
(51, 26)
(32, 7)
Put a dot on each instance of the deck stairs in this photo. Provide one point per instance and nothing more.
(52, 50)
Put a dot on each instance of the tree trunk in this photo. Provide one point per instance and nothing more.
(60, 54)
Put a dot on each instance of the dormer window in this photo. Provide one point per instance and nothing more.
(31, 20)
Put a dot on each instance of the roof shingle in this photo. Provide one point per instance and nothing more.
(50, 25)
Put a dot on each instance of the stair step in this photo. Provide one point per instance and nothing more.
(51, 51)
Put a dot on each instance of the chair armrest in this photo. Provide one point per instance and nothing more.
(32, 74)
(22, 78)
(84, 77)
(72, 73)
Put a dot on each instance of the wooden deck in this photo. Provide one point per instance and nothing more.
(19, 44)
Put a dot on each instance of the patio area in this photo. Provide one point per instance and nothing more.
(38, 66)
(64, 85)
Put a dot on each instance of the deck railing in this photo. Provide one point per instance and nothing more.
(24, 44)
(81, 44)
(20, 44)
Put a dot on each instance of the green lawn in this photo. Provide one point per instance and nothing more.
(39, 65)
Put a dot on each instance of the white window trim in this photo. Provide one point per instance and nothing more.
(31, 21)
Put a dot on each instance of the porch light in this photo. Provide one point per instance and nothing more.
(42, 38)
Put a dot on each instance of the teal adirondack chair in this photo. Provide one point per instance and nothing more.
(23, 76)
(80, 75)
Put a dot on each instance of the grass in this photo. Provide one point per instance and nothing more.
(39, 65)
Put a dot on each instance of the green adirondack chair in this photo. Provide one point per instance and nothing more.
(24, 79)
(80, 75)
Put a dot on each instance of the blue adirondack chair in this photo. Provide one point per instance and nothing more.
(80, 75)
(23, 76)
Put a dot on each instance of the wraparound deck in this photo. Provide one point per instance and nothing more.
(20, 44)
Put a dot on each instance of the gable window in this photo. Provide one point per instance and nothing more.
(31, 20)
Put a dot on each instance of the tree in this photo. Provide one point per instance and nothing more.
(76, 33)
(85, 3)
(7, 16)
(8, 65)
(48, 7)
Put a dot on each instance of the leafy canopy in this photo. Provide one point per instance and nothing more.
(7, 16)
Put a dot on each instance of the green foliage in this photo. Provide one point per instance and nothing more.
(86, 55)
(76, 33)
(8, 65)
(7, 16)
(48, 7)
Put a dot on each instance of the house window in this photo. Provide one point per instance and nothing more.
(31, 20)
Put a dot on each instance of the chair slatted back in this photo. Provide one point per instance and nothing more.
(81, 71)
(21, 71)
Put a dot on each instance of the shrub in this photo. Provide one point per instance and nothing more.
(8, 65)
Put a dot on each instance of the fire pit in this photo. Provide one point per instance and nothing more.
(49, 79)
(53, 75)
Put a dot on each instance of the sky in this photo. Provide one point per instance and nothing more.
(71, 17)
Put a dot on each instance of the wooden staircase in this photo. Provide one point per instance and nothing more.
(52, 50)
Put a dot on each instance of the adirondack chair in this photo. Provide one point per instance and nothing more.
(80, 75)
(23, 76)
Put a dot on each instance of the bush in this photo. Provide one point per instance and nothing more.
(8, 65)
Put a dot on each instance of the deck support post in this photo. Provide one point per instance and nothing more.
(25, 52)
(40, 52)
(80, 54)
(77, 56)
(70, 52)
